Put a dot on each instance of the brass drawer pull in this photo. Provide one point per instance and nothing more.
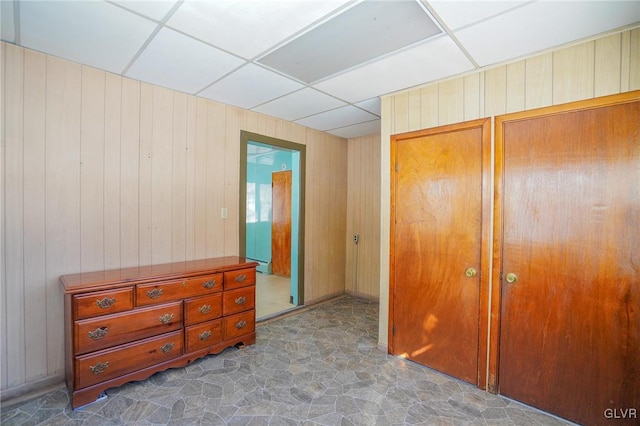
(204, 309)
(155, 293)
(167, 348)
(241, 324)
(240, 278)
(106, 303)
(241, 300)
(209, 284)
(98, 333)
(205, 335)
(167, 318)
(99, 368)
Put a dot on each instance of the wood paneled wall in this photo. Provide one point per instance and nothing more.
(363, 217)
(101, 171)
(607, 65)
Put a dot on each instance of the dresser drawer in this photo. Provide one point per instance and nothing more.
(203, 335)
(102, 302)
(239, 278)
(110, 363)
(202, 309)
(152, 293)
(110, 330)
(239, 324)
(239, 300)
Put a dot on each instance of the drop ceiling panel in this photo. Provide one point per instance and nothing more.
(372, 105)
(543, 25)
(182, 63)
(248, 28)
(92, 33)
(339, 117)
(429, 61)
(362, 129)
(300, 104)
(153, 9)
(361, 33)
(250, 86)
(457, 14)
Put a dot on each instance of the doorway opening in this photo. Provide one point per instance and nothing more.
(271, 220)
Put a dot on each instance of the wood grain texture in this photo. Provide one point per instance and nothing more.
(281, 223)
(570, 206)
(573, 73)
(112, 170)
(539, 81)
(450, 101)
(607, 75)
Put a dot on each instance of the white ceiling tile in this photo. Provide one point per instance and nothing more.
(153, 9)
(362, 129)
(543, 25)
(182, 63)
(299, 104)
(457, 14)
(7, 22)
(250, 86)
(92, 33)
(372, 105)
(421, 64)
(339, 117)
(248, 27)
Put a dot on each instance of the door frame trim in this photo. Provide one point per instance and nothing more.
(245, 138)
(485, 243)
(498, 231)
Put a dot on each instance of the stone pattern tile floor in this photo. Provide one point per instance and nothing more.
(320, 366)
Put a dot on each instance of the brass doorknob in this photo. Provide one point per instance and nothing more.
(471, 272)
(511, 278)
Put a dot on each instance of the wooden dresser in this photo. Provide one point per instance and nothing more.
(126, 324)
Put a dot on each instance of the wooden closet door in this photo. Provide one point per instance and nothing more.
(570, 320)
(437, 218)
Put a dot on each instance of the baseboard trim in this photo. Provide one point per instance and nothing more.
(30, 390)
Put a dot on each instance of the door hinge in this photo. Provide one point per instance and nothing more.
(393, 330)
(397, 167)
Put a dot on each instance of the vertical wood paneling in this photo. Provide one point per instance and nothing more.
(607, 65)
(63, 115)
(573, 73)
(161, 175)
(112, 164)
(495, 86)
(231, 179)
(214, 177)
(471, 97)
(634, 59)
(539, 81)
(190, 179)
(451, 101)
(145, 182)
(92, 170)
(413, 109)
(401, 113)
(14, 213)
(200, 182)
(34, 208)
(429, 102)
(515, 86)
(179, 178)
(130, 174)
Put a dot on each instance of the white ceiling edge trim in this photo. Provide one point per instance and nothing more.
(635, 25)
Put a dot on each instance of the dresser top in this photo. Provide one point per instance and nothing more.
(113, 278)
